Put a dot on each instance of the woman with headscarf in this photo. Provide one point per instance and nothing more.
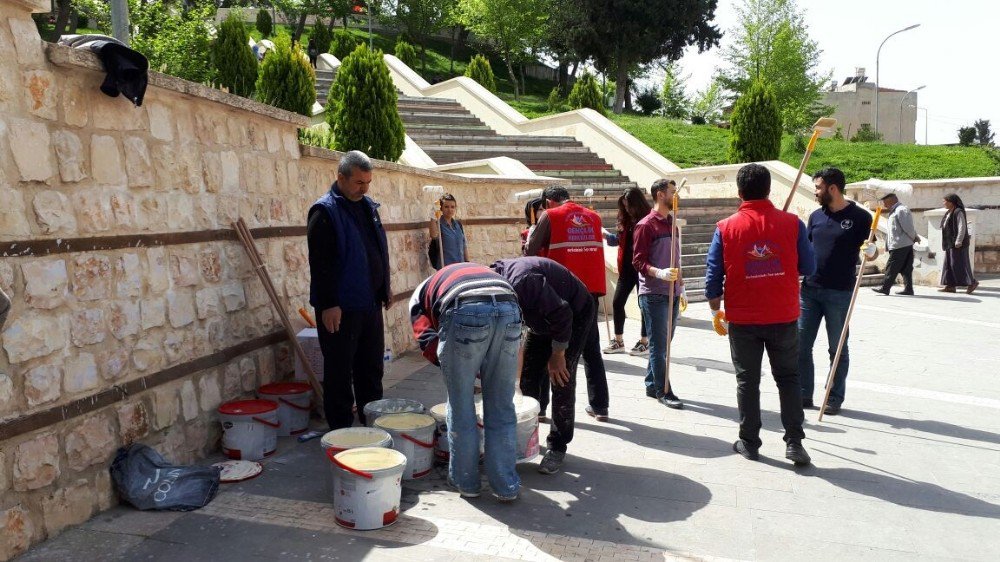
(632, 207)
(955, 238)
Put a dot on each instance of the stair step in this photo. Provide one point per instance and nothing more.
(444, 129)
(425, 109)
(557, 143)
(538, 168)
(429, 101)
(528, 151)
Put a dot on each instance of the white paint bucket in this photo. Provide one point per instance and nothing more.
(340, 440)
(294, 400)
(250, 429)
(412, 435)
(385, 406)
(442, 449)
(368, 486)
(527, 409)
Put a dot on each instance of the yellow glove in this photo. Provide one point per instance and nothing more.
(683, 300)
(870, 250)
(719, 323)
(667, 274)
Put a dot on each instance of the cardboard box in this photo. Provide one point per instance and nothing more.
(309, 340)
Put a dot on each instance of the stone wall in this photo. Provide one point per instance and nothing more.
(135, 311)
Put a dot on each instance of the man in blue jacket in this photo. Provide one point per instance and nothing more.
(349, 264)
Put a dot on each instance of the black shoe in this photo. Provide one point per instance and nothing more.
(796, 453)
(670, 400)
(808, 403)
(832, 409)
(599, 415)
(879, 291)
(905, 292)
(746, 451)
(651, 392)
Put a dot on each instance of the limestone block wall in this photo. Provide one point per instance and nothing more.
(135, 310)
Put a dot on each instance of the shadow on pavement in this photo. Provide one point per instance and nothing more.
(697, 446)
(769, 418)
(701, 364)
(903, 491)
(945, 298)
(695, 323)
(944, 429)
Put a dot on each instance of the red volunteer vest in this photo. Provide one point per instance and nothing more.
(576, 242)
(760, 253)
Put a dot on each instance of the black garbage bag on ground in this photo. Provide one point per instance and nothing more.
(146, 480)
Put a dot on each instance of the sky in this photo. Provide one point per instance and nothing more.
(955, 53)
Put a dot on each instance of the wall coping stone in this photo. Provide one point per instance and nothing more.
(61, 55)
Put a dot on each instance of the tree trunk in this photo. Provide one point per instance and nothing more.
(513, 78)
(64, 7)
(454, 48)
(423, 58)
(524, 82)
(628, 96)
(563, 77)
(74, 22)
(299, 28)
(333, 22)
(621, 85)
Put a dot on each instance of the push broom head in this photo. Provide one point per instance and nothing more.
(886, 187)
(433, 189)
(589, 192)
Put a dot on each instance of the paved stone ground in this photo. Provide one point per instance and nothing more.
(910, 470)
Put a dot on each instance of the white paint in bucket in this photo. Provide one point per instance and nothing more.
(368, 487)
(340, 440)
(294, 400)
(412, 435)
(249, 429)
(385, 406)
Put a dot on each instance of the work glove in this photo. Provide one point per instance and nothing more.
(667, 274)
(683, 299)
(719, 323)
(870, 250)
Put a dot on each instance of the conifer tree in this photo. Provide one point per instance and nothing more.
(235, 63)
(755, 126)
(481, 71)
(362, 109)
(587, 93)
(286, 79)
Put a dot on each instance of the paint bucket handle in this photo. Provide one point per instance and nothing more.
(267, 423)
(412, 439)
(333, 458)
(294, 405)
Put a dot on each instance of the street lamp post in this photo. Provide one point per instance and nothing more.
(924, 109)
(899, 135)
(877, 54)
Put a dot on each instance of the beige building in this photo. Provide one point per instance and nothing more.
(854, 101)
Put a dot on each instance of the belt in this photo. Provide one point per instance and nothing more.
(471, 299)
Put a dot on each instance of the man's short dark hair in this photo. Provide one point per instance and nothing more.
(555, 193)
(660, 185)
(354, 159)
(832, 176)
(753, 181)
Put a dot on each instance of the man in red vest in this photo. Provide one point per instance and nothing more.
(571, 235)
(755, 259)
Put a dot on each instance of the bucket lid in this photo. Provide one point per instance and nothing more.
(278, 388)
(403, 422)
(440, 411)
(247, 407)
(353, 437)
(371, 458)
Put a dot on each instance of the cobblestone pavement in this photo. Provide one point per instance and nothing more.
(909, 470)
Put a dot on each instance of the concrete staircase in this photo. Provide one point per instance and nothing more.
(324, 79)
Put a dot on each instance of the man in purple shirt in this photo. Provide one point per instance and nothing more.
(654, 241)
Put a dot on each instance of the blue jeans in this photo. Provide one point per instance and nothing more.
(818, 304)
(481, 335)
(654, 311)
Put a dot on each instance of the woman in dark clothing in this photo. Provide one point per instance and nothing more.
(532, 209)
(955, 235)
(632, 207)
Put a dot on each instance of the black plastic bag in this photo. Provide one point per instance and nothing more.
(144, 479)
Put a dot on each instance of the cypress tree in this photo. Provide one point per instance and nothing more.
(587, 93)
(343, 44)
(481, 71)
(362, 109)
(235, 63)
(321, 37)
(286, 79)
(264, 23)
(406, 53)
(755, 126)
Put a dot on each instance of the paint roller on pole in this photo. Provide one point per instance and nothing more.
(438, 191)
(822, 125)
(674, 245)
(847, 320)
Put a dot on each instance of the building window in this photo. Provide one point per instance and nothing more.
(866, 125)
(866, 103)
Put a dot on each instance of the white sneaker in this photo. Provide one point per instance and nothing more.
(615, 347)
(639, 350)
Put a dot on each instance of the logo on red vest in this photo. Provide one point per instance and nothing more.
(580, 228)
(763, 260)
